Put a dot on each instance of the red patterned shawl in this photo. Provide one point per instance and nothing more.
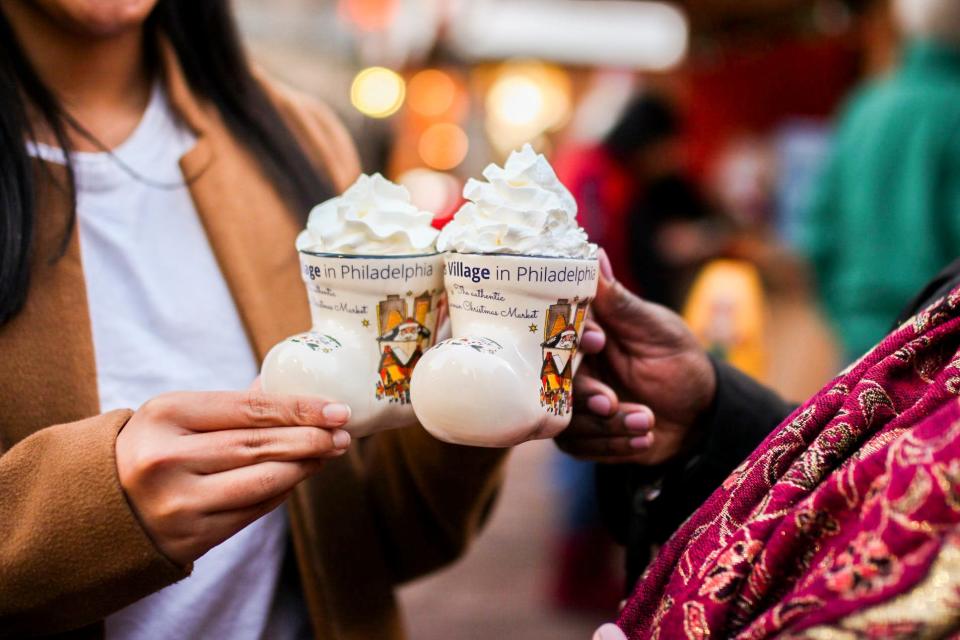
(845, 521)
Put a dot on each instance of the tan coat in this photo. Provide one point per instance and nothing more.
(399, 505)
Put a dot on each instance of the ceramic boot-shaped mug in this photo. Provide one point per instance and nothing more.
(506, 376)
(373, 318)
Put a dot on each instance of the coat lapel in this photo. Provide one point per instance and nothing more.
(47, 349)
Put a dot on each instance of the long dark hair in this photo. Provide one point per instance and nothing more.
(204, 36)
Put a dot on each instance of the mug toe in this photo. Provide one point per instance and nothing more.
(471, 396)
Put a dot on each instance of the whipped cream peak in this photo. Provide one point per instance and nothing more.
(522, 208)
(372, 217)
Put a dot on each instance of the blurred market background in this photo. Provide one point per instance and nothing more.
(701, 201)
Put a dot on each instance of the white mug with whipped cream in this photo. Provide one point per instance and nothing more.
(374, 281)
(519, 274)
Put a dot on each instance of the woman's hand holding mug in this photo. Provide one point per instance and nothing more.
(199, 467)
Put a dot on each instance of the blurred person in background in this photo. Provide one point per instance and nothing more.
(886, 215)
(610, 180)
(838, 518)
(672, 234)
(151, 189)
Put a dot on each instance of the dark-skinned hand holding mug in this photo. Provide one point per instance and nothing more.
(643, 385)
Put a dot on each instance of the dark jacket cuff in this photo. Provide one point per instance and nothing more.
(644, 506)
(744, 412)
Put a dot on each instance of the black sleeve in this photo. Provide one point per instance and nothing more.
(945, 282)
(643, 506)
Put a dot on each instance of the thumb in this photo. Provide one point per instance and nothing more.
(614, 304)
(626, 315)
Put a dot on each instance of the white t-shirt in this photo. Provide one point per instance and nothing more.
(163, 320)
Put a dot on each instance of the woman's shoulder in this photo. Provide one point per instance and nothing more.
(317, 128)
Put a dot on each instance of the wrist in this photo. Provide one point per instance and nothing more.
(708, 406)
(705, 407)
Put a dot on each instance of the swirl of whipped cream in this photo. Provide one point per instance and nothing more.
(522, 209)
(373, 217)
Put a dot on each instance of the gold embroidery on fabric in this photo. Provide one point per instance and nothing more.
(732, 566)
(930, 610)
(877, 443)
(948, 479)
(892, 494)
(695, 624)
(863, 568)
(786, 612)
(916, 494)
(820, 457)
(930, 316)
(953, 385)
(685, 566)
(932, 361)
(872, 400)
(953, 299)
(840, 388)
(665, 605)
(794, 429)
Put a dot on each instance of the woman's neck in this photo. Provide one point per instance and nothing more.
(102, 82)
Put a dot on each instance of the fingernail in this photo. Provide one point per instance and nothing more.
(640, 443)
(341, 439)
(605, 268)
(592, 341)
(599, 405)
(336, 413)
(637, 421)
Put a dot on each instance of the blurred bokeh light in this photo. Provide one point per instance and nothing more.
(369, 15)
(630, 33)
(443, 146)
(516, 100)
(525, 100)
(377, 92)
(431, 93)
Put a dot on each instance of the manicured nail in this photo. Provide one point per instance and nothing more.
(600, 405)
(605, 269)
(341, 439)
(336, 413)
(639, 421)
(643, 442)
